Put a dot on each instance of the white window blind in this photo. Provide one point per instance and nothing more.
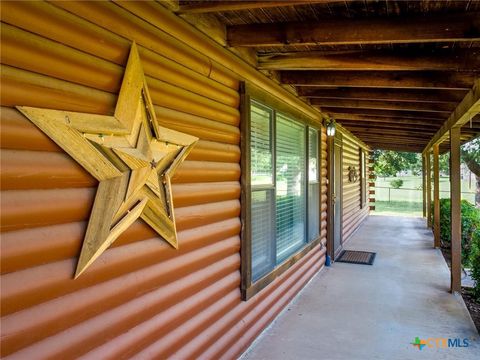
(263, 233)
(261, 145)
(262, 198)
(313, 186)
(290, 186)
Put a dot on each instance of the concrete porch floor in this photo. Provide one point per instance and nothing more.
(374, 312)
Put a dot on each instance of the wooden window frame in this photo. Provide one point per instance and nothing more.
(248, 93)
(363, 177)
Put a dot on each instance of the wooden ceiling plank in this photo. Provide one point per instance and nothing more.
(385, 94)
(403, 29)
(352, 118)
(392, 126)
(463, 113)
(383, 79)
(385, 60)
(335, 111)
(394, 133)
(200, 7)
(385, 105)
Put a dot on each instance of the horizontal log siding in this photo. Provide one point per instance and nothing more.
(141, 297)
(353, 213)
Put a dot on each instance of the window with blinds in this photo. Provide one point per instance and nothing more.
(284, 181)
(313, 186)
(262, 203)
(290, 186)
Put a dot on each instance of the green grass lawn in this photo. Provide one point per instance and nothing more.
(398, 208)
(411, 190)
(407, 201)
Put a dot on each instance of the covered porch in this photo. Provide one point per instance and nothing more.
(375, 312)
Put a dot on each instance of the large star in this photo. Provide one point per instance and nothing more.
(131, 156)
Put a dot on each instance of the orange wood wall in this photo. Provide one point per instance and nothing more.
(353, 212)
(141, 297)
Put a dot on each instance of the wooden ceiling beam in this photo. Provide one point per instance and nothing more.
(394, 142)
(367, 124)
(387, 120)
(334, 111)
(387, 30)
(402, 148)
(385, 94)
(211, 6)
(394, 133)
(385, 105)
(382, 79)
(468, 108)
(385, 60)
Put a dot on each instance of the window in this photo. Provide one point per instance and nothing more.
(290, 187)
(281, 196)
(313, 186)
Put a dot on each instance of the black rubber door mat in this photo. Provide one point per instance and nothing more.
(356, 257)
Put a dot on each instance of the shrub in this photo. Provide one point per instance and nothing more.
(396, 184)
(470, 225)
(475, 262)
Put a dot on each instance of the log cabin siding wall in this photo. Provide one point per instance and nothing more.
(141, 297)
(353, 211)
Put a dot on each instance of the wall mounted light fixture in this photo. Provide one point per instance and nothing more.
(330, 124)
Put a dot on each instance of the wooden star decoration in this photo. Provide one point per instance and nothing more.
(131, 156)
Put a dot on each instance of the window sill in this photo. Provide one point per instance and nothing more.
(280, 269)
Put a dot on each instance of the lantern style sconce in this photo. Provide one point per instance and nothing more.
(330, 124)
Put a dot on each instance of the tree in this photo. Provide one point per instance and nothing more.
(470, 153)
(390, 163)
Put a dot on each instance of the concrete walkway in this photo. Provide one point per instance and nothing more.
(366, 312)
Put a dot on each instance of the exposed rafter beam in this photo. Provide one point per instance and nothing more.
(458, 60)
(352, 118)
(384, 79)
(395, 133)
(412, 95)
(464, 112)
(393, 141)
(418, 115)
(385, 105)
(218, 6)
(405, 29)
(386, 113)
(373, 125)
(393, 147)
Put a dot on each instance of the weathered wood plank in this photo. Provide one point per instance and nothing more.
(464, 112)
(416, 29)
(384, 79)
(436, 196)
(456, 223)
(459, 60)
(385, 105)
(388, 94)
(353, 118)
(200, 7)
(335, 111)
(388, 126)
(429, 188)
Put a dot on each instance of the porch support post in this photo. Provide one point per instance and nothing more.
(424, 192)
(429, 189)
(436, 197)
(455, 198)
(331, 190)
